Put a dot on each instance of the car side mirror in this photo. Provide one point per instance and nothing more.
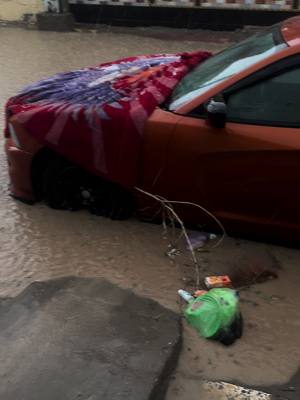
(216, 112)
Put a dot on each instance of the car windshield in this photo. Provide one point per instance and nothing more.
(225, 64)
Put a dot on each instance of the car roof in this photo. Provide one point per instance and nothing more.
(290, 30)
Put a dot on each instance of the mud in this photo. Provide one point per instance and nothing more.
(38, 243)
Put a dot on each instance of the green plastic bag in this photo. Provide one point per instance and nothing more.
(213, 312)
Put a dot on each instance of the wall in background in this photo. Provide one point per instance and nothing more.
(14, 10)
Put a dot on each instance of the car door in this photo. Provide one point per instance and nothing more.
(250, 169)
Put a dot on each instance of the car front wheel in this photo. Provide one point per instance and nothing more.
(67, 186)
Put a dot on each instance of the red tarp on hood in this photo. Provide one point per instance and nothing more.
(95, 116)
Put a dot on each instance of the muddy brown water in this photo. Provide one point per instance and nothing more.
(38, 243)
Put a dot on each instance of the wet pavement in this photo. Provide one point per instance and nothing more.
(79, 338)
(38, 243)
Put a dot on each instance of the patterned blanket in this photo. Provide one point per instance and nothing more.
(95, 116)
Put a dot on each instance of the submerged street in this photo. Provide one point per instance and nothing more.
(38, 243)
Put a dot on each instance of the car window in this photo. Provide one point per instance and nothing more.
(274, 101)
(225, 64)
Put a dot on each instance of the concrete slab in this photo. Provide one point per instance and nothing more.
(85, 339)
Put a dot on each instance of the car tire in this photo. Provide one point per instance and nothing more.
(122, 204)
(112, 201)
(64, 184)
(60, 183)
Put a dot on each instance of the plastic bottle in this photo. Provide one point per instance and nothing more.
(185, 295)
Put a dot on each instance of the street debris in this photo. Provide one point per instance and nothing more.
(199, 239)
(218, 281)
(172, 252)
(199, 293)
(170, 217)
(215, 314)
(225, 391)
(186, 295)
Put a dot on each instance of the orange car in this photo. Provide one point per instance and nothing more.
(228, 138)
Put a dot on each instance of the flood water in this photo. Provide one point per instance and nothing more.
(38, 243)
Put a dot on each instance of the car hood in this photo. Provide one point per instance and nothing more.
(95, 116)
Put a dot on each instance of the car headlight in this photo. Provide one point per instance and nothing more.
(14, 136)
